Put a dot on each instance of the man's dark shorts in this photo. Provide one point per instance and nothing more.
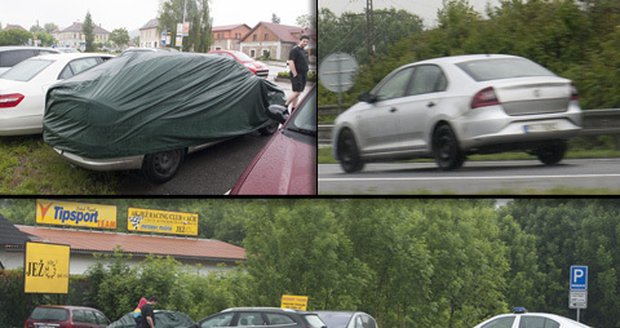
(299, 82)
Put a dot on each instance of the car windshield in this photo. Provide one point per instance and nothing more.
(314, 321)
(243, 57)
(502, 68)
(26, 70)
(50, 314)
(336, 319)
(305, 120)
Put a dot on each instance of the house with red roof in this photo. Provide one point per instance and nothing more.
(228, 37)
(73, 36)
(204, 254)
(274, 40)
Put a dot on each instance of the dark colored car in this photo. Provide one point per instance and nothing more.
(263, 317)
(66, 316)
(148, 110)
(13, 55)
(287, 164)
(256, 67)
(163, 319)
(347, 319)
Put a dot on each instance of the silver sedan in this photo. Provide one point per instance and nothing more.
(451, 107)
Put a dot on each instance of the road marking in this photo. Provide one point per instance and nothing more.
(508, 177)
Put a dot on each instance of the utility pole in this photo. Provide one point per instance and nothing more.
(369, 32)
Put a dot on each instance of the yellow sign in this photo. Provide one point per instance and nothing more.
(76, 214)
(294, 302)
(46, 268)
(177, 223)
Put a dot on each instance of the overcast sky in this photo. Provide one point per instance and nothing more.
(425, 9)
(133, 14)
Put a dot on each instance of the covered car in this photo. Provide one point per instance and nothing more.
(163, 319)
(146, 110)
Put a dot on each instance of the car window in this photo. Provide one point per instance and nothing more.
(396, 85)
(503, 322)
(279, 319)
(26, 70)
(502, 68)
(537, 322)
(82, 64)
(13, 57)
(90, 317)
(250, 319)
(101, 319)
(78, 316)
(368, 322)
(305, 119)
(314, 321)
(52, 314)
(223, 320)
(243, 57)
(427, 79)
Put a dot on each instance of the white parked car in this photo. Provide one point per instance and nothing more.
(450, 107)
(23, 88)
(530, 320)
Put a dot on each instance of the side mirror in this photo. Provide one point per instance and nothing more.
(367, 97)
(278, 113)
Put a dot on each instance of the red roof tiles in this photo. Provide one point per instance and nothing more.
(100, 241)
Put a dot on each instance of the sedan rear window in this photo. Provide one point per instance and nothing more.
(314, 321)
(502, 68)
(26, 70)
(50, 314)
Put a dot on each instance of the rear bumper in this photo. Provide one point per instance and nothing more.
(106, 164)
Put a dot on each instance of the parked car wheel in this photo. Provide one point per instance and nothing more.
(348, 152)
(269, 129)
(161, 167)
(448, 155)
(552, 153)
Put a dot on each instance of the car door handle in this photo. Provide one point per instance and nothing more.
(430, 104)
(393, 109)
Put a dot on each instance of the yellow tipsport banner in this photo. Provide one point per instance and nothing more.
(46, 268)
(178, 223)
(76, 214)
(294, 302)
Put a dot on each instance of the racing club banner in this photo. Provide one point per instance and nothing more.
(178, 223)
(75, 214)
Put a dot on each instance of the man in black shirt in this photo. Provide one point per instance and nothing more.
(298, 64)
(148, 318)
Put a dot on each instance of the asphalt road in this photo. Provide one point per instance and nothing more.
(502, 177)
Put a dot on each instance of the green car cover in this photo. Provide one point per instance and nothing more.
(144, 103)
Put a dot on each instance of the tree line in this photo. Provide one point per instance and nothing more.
(578, 40)
(408, 262)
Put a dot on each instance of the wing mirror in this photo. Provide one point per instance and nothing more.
(278, 113)
(367, 97)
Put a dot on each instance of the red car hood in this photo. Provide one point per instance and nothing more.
(284, 167)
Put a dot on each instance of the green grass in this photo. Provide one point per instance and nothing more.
(29, 166)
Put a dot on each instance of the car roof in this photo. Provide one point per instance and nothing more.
(68, 307)
(265, 309)
(462, 58)
(8, 48)
(555, 317)
(72, 55)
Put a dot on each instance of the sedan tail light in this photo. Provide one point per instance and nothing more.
(10, 100)
(574, 95)
(484, 97)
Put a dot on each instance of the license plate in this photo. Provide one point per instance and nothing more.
(540, 127)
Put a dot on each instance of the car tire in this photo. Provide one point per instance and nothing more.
(348, 154)
(552, 153)
(269, 129)
(161, 167)
(448, 154)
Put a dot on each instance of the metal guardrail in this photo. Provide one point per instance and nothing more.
(595, 122)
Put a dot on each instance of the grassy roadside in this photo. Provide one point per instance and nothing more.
(325, 156)
(29, 166)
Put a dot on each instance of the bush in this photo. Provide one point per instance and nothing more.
(286, 75)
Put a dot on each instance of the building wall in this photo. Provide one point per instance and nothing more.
(150, 38)
(278, 50)
(77, 40)
(79, 263)
(229, 39)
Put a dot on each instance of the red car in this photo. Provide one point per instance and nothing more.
(66, 316)
(287, 164)
(256, 67)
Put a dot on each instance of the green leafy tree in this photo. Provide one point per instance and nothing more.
(14, 37)
(50, 27)
(88, 28)
(306, 21)
(275, 19)
(197, 12)
(120, 37)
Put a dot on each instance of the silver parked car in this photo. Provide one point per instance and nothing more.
(522, 319)
(347, 319)
(450, 107)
